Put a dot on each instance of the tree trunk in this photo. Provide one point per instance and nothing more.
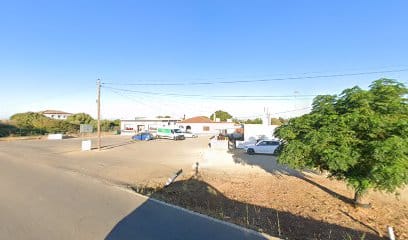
(358, 196)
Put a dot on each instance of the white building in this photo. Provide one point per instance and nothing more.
(253, 132)
(204, 125)
(130, 127)
(56, 114)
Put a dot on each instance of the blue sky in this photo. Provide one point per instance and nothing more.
(52, 52)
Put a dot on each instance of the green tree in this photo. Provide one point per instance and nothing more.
(27, 120)
(80, 118)
(107, 125)
(31, 122)
(253, 121)
(283, 120)
(222, 115)
(36, 123)
(67, 127)
(276, 121)
(360, 136)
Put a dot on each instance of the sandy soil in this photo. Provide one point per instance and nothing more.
(260, 181)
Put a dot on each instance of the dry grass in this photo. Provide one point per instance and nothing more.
(292, 210)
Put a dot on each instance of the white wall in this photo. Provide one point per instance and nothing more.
(252, 132)
(214, 128)
(130, 127)
(197, 128)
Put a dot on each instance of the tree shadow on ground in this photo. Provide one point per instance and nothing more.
(116, 145)
(199, 196)
(269, 164)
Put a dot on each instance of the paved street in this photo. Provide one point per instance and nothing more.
(42, 202)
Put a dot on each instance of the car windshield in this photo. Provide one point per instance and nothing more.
(177, 131)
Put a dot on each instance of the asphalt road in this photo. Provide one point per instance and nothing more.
(42, 202)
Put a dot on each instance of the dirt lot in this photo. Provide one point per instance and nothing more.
(256, 192)
(253, 191)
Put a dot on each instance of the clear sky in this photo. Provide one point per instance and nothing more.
(52, 52)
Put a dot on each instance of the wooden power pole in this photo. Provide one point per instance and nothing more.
(98, 86)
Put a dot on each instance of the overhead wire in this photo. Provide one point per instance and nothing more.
(293, 97)
(258, 80)
(273, 113)
(142, 100)
(219, 97)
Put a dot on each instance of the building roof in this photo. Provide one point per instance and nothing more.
(199, 119)
(54, 112)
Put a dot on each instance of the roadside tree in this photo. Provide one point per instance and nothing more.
(253, 121)
(276, 121)
(222, 115)
(360, 136)
(80, 118)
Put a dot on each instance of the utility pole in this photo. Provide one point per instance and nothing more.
(98, 86)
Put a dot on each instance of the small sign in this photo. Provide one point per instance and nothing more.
(86, 145)
(85, 128)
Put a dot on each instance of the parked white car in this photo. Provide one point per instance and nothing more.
(263, 146)
(189, 135)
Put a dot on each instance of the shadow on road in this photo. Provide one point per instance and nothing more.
(266, 162)
(111, 146)
(160, 222)
(269, 164)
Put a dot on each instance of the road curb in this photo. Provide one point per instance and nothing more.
(127, 189)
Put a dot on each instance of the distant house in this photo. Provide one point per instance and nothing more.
(204, 125)
(56, 114)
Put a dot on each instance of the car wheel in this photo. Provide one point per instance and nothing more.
(250, 151)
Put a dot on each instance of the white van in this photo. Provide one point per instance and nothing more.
(170, 133)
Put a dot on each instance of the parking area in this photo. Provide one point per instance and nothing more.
(124, 161)
(121, 160)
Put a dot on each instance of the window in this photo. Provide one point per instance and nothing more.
(206, 128)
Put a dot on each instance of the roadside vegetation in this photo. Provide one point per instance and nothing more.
(274, 121)
(32, 123)
(224, 116)
(360, 136)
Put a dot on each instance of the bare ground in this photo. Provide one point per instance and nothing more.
(252, 191)
(258, 193)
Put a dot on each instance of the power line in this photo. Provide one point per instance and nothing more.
(257, 80)
(259, 97)
(138, 100)
(274, 113)
(141, 100)
(294, 110)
